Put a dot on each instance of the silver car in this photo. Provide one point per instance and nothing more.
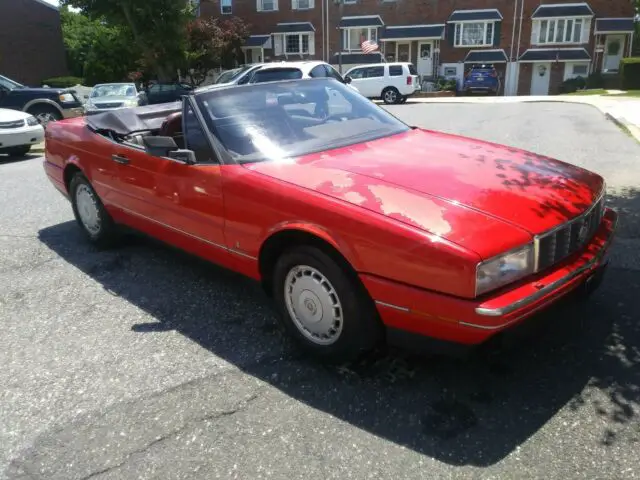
(109, 96)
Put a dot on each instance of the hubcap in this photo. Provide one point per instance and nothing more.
(313, 305)
(45, 118)
(88, 209)
(390, 95)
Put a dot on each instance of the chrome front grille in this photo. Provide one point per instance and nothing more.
(559, 243)
(13, 124)
(109, 105)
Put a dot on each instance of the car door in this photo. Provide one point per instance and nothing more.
(183, 201)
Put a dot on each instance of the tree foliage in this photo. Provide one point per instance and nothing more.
(212, 42)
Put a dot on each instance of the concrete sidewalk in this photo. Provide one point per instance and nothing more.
(624, 111)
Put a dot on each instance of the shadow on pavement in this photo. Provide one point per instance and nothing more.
(474, 411)
(6, 159)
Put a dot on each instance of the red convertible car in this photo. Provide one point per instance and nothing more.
(362, 228)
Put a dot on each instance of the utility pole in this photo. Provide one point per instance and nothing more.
(339, 4)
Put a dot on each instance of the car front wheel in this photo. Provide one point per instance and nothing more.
(90, 213)
(20, 151)
(323, 306)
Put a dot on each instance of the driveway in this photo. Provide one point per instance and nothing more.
(142, 362)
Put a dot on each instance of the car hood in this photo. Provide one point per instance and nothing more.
(448, 185)
(9, 115)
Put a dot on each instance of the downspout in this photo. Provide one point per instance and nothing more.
(518, 49)
(326, 10)
(513, 36)
(324, 32)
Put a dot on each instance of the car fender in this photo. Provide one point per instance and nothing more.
(42, 101)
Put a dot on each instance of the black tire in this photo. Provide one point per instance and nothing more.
(403, 99)
(19, 151)
(45, 114)
(106, 235)
(361, 327)
(391, 95)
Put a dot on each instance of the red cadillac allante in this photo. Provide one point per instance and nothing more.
(362, 228)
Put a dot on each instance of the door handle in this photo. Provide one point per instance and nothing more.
(120, 159)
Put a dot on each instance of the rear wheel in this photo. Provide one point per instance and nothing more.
(19, 151)
(90, 213)
(390, 95)
(323, 306)
(403, 99)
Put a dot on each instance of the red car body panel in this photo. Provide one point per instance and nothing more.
(413, 214)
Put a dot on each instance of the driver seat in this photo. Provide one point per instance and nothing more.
(172, 127)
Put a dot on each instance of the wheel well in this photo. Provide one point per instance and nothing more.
(41, 106)
(280, 242)
(69, 172)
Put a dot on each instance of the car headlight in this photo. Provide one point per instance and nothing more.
(133, 102)
(32, 121)
(67, 97)
(504, 269)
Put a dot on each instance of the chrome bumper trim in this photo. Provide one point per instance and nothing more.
(497, 312)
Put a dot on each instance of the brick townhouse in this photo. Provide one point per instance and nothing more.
(535, 44)
(31, 46)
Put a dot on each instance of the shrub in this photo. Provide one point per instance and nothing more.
(630, 73)
(572, 85)
(595, 80)
(63, 82)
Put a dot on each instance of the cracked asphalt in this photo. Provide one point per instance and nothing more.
(142, 362)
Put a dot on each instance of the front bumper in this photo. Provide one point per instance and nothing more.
(17, 137)
(73, 112)
(473, 321)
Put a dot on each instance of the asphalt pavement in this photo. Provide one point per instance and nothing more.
(142, 362)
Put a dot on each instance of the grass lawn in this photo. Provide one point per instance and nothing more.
(601, 91)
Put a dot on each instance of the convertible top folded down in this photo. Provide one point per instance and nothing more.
(125, 121)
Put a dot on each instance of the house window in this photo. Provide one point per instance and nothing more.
(267, 5)
(560, 30)
(353, 37)
(225, 7)
(474, 34)
(302, 4)
(349, 2)
(296, 43)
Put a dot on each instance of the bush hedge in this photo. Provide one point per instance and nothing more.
(630, 73)
(63, 82)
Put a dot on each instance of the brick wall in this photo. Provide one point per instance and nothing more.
(31, 47)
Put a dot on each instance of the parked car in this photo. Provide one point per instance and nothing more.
(481, 78)
(107, 96)
(238, 76)
(270, 72)
(392, 82)
(46, 104)
(164, 92)
(18, 132)
(361, 228)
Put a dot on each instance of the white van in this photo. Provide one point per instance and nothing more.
(392, 82)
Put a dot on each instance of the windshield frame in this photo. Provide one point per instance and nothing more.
(225, 157)
(6, 82)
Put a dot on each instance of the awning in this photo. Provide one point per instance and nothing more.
(614, 25)
(362, 21)
(302, 27)
(257, 41)
(563, 10)
(358, 58)
(486, 56)
(489, 14)
(412, 32)
(553, 54)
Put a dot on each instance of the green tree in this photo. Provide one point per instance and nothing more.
(157, 27)
(97, 51)
(213, 42)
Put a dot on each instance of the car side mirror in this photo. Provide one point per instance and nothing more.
(347, 79)
(183, 155)
(159, 146)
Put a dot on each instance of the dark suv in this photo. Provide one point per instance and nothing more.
(481, 78)
(46, 104)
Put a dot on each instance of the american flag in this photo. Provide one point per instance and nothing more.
(368, 46)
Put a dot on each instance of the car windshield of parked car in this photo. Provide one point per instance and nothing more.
(9, 84)
(113, 90)
(279, 120)
(274, 74)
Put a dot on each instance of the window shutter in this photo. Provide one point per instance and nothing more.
(277, 44)
(535, 32)
(312, 44)
(586, 30)
(258, 5)
(496, 33)
(294, 4)
(451, 32)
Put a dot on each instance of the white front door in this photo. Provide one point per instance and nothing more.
(425, 58)
(613, 52)
(540, 78)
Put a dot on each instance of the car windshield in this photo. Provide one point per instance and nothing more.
(273, 74)
(114, 90)
(9, 84)
(274, 121)
(227, 76)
